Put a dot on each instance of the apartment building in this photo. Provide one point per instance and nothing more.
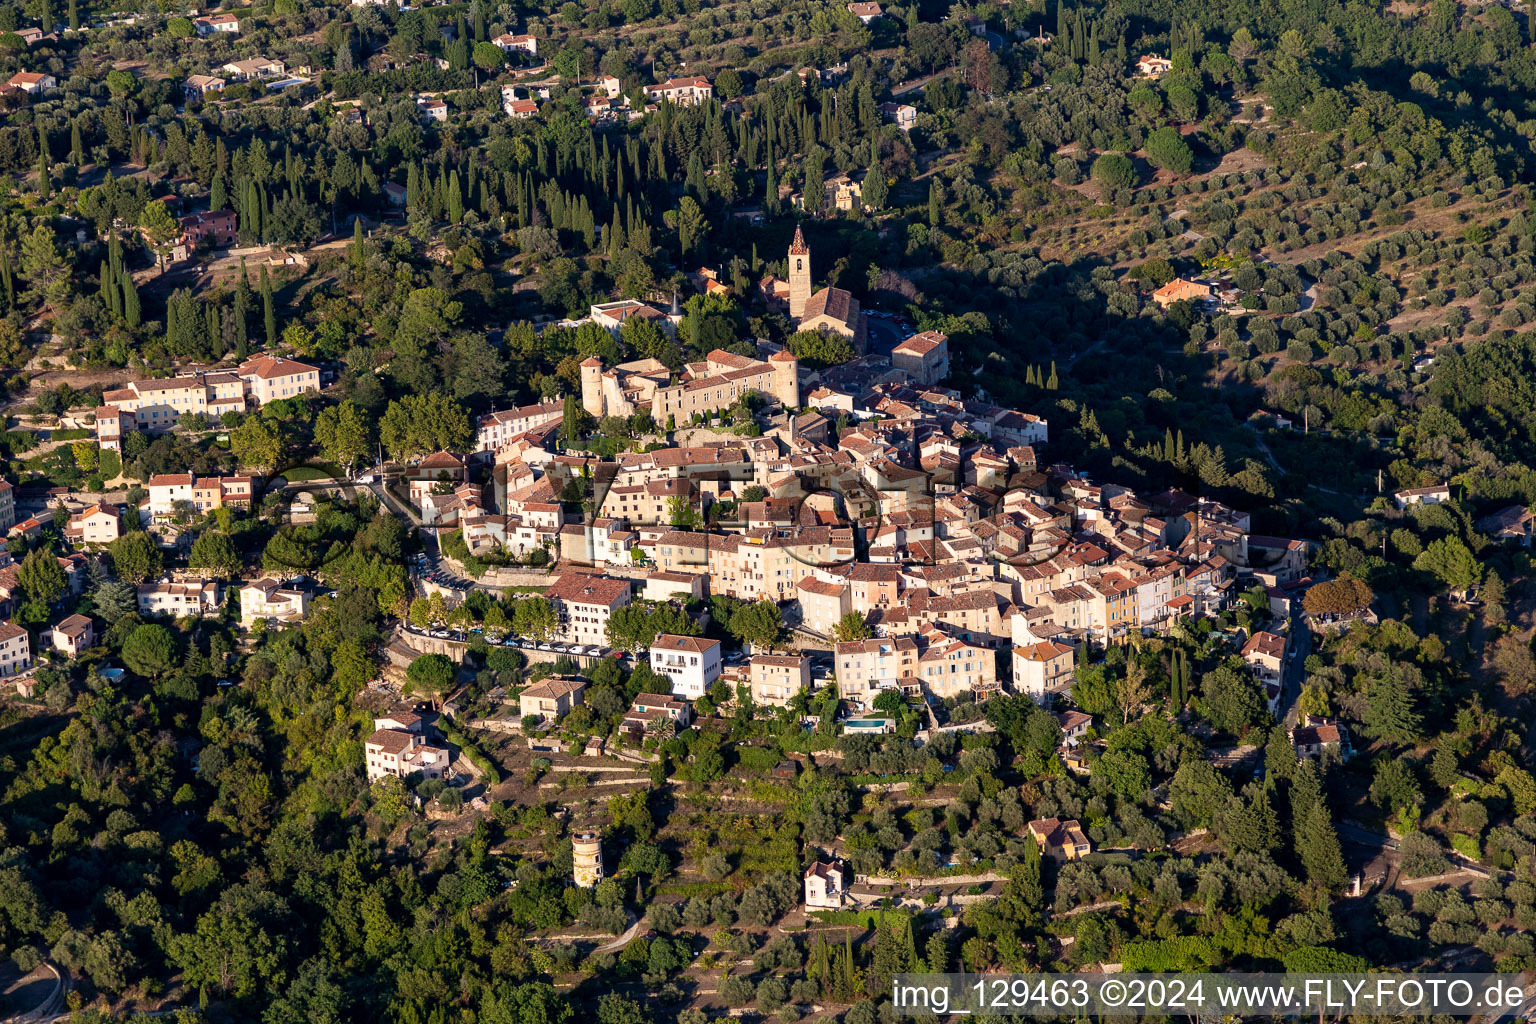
(202, 494)
(664, 585)
(180, 600)
(600, 542)
(692, 663)
(923, 357)
(762, 565)
(776, 678)
(495, 429)
(1043, 670)
(865, 668)
(158, 405)
(584, 605)
(268, 378)
(950, 667)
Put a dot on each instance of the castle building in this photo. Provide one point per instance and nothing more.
(706, 387)
(831, 310)
(587, 858)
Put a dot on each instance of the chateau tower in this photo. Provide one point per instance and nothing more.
(592, 387)
(799, 275)
(786, 378)
(587, 852)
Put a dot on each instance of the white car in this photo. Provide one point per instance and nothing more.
(546, 647)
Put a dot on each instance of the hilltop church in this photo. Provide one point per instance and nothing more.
(833, 310)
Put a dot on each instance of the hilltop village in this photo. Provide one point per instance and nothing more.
(685, 510)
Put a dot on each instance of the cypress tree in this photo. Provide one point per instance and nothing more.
(357, 241)
(268, 308)
(217, 197)
(615, 236)
(215, 332)
(1317, 844)
(74, 16)
(242, 311)
(131, 309)
(47, 16)
(1052, 383)
(44, 163)
(771, 189)
(76, 144)
(412, 187)
(935, 203)
(875, 189)
(454, 199)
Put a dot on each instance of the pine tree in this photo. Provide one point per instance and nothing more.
(268, 308)
(1317, 844)
(1279, 757)
(938, 953)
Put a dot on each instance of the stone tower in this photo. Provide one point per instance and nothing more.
(786, 378)
(799, 275)
(587, 852)
(592, 387)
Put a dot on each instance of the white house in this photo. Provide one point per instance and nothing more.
(692, 663)
(682, 92)
(825, 885)
(509, 42)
